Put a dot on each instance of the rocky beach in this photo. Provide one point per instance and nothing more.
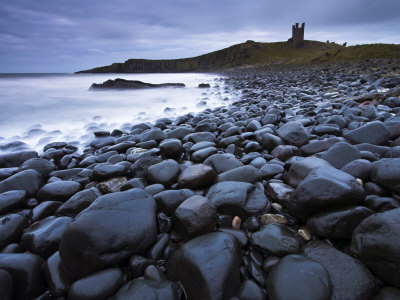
(292, 192)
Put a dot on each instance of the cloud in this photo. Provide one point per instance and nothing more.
(67, 35)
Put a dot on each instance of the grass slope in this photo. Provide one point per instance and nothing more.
(253, 53)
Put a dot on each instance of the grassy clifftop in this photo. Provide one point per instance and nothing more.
(253, 53)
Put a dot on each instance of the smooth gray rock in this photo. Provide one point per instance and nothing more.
(373, 133)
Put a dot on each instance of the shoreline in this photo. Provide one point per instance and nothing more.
(299, 174)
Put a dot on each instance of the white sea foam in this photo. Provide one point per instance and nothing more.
(41, 108)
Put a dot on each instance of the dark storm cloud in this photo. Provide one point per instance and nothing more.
(67, 35)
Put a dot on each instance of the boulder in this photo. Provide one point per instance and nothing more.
(296, 274)
(148, 289)
(299, 170)
(341, 154)
(26, 271)
(339, 223)
(207, 266)
(294, 133)
(197, 176)
(351, 280)
(28, 180)
(15, 159)
(58, 191)
(11, 227)
(78, 202)
(195, 216)
(386, 172)
(11, 200)
(376, 242)
(325, 189)
(125, 224)
(248, 174)
(123, 84)
(238, 198)
(165, 172)
(373, 133)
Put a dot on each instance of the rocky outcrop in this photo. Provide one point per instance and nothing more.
(122, 84)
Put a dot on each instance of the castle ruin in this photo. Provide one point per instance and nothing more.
(298, 35)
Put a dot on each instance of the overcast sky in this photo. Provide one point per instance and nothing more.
(71, 35)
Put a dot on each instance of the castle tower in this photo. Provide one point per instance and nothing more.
(298, 35)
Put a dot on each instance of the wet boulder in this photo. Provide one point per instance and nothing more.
(296, 273)
(222, 162)
(339, 223)
(341, 154)
(148, 289)
(43, 237)
(373, 133)
(207, 266)
(58, 191)
(294, 133)
(238, 198)
(78, 202)
(26, 271)
(248, 174)
(386, 172)
(299, 170)
(125, 224)
(28, 180)
(195, 216)
(99, 285)
(11, 200)
(169, 200)
(351, 279)
(15, 159)
(165, 172)
(11, 227)
(276, 239)
(324, 189)
(197, 176)
(376, 242)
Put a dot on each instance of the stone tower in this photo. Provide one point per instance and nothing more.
(298, 35)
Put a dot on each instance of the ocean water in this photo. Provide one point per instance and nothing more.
(37, 109)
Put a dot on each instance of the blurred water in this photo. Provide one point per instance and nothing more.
(42, 108)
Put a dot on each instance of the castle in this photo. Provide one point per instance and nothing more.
(298, 35)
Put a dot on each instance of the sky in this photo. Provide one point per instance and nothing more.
(71, 35)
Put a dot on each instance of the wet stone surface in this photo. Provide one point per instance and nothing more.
(292, 189)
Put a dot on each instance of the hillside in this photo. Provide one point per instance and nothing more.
(254, 53)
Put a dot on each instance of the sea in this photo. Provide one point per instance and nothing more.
(37, 109)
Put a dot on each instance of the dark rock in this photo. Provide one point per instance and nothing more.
(195, 216)
(165, 172)
(376, 241)
(78, 202)
(315, 146)
(238, 198)
(15, 159)
(350, 278)
(137, 265)
(244, 174)
(200, 155)
(373, 132)
(29, 181)
(169, 200)
(197, 176)
(141, 166)
(134, 183)
(102, 142)
(240, 235)
(371, 188)
(11, 227)
(293, 133)
(44, 209)
(249, 290)
(359, 168)
(279, 192)
(43, 166)
(154, 189)
(125, 224)
(275, 238)
(58, 191)
(171, 148)
(296, 273)
(386, 172)
(106, 171)
(43, 237)
(204, 85)
(222, 162)
(7, 172)
(156, 251)
(179, 133)
(381, 204)
(58, 282)
(148, 289)
(122, 84)
(268, 171)
(324, 189)
(339, 223)
(198, 137)
(11, 200)
(284, 152)
(95, 286)
(25, 269)
(207, 266)
(341, 154)
(6, 286)
(388, 293)
(300, 169)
